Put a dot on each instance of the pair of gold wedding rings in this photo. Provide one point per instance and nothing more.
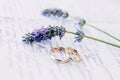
(60, 54)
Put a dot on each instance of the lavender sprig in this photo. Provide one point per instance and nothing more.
(81, 22)
(44, 34)
(52, 31)
(55, 12)
(80, 35)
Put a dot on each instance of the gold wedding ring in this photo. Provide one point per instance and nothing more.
(63, 55)
(72, 54)
(59, 50)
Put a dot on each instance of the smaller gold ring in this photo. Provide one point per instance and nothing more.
(58, 49)
(70, 52)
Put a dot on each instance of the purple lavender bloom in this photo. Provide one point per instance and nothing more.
(47, 12)
(55, 12)
(44, 34)
(80, 36)
(39, 31)
(42, 30)
(81, 22)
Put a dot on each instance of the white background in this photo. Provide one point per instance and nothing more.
(21, 62)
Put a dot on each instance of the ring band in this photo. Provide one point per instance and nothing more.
(59, 49)
(71, 53)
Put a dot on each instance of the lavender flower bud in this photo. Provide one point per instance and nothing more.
(44, 34)
(80, 36)
(81, 22)
(55, 12)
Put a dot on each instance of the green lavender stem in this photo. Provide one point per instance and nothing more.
(104, 32)
(102, 41)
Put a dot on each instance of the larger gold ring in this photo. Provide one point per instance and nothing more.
(72, 54)
(55, 51)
